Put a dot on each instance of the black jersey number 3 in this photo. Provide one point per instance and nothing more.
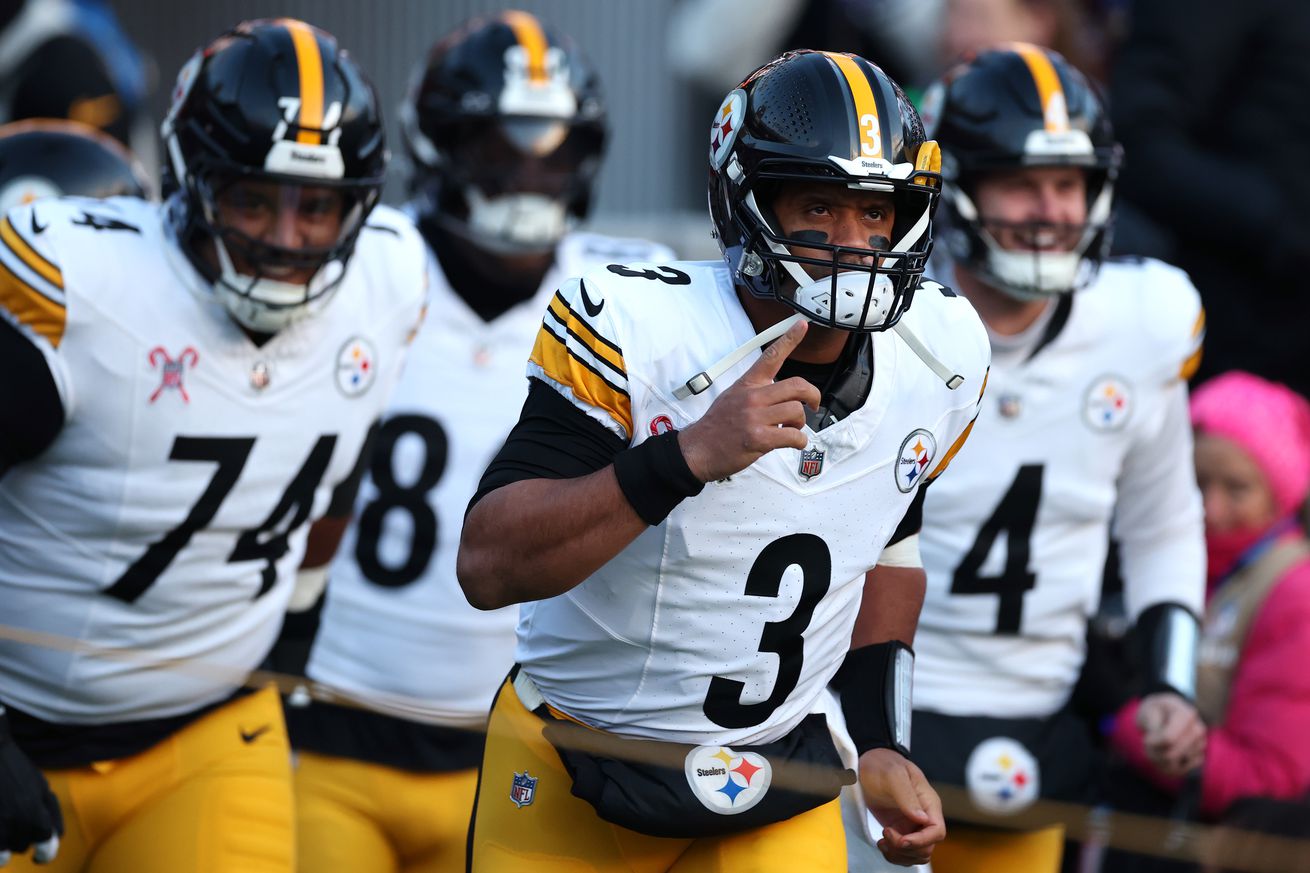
(723, 704)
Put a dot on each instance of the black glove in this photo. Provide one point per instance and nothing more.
(29, 812)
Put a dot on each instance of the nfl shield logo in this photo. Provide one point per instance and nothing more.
(811, 463)
(524, 789)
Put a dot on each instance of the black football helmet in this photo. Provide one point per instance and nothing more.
(505, 126)
(1015, 106)
(47, 157)
(824, 118)
(274, 101)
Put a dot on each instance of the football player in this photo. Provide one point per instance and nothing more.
(692, 526)
(504, 126)
(1085, 430)
(199, 378)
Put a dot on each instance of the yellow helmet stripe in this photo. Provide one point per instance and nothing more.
(527, 30)
(1048, 85)
(866, 108)
(310, 62)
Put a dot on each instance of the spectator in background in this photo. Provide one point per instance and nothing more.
(1253, 467)
(973, 25)
(1205, 97)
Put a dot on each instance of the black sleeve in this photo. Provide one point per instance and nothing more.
(912, 521)
(552, 440)
(36, 413)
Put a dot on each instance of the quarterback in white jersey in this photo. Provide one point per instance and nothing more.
(700, 549)
(395, 633)
(212, 367)
(1085, 430)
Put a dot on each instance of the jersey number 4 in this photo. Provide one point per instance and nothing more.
(1014, 516)
(268, 542)
(785, 638)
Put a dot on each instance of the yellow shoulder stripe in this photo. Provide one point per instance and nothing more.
(554, 358)
(30, 256)
(952, 452)
(31, 307)
(582, 332)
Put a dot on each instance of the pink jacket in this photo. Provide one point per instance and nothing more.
(1263, 746)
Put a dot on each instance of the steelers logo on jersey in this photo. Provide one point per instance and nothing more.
(725, 781)
(1002, 776)
(917, 452)
(356, 366)
(1108, 403)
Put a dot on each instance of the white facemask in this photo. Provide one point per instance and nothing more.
(516, 223)
(267, 305)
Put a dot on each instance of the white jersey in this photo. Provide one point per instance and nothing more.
(396, 629)
(1090, 425)
(150, 552)
(725, 622)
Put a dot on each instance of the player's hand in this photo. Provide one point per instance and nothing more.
(753, 417)
(907, 807)
(29, 813)
(1173, 735)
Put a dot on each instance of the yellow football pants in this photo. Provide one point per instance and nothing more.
(978, 850)
(213, 798)
(367, 818)
(558, 832)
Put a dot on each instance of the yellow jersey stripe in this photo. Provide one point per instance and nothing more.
(1193, 362)
(582, 332)
(527, 30)
(1198, 327)
(554, 358)
(1048, 85)
(866, 107)
(310, 62)
(30, 256)
(962, 438)
(31, 307)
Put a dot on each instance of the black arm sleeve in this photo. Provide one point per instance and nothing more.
(35, 413)
(912, 521)
(552, 440)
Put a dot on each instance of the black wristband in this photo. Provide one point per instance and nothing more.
(655, 478)
(874, 682)
(1168, 635)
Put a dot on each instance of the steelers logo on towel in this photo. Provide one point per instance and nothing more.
(356, 366)
(1002, 776)
(727, 782)
(917, 452)
(1108, 403)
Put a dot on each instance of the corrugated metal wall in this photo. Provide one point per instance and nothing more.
(653, 179)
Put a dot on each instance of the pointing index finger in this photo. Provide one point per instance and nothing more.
(770, 361)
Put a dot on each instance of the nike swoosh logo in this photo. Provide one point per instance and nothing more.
(593, 309)
(37, 228)
(251, 736)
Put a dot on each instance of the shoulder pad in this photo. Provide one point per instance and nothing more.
(31, 277)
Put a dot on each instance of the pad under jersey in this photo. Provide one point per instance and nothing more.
(149, 553)
(725, 622)
(396, 629)
(1086, 424)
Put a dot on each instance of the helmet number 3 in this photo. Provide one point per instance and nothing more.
(870, 136)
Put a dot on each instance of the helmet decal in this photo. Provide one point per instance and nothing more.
(727, 123)
(530, 53)
(1050, 94)
(310, 62)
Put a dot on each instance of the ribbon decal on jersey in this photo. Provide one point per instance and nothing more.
(917, 451)
(173, 369)
(726, 781)
(524, 789)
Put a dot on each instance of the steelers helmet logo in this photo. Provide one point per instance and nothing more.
(356, 366)
(725, 781)
(1002, 776)
(727, 122)
(1108, 403)
(917, 452)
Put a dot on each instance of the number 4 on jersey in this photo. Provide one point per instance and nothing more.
(1014, 516)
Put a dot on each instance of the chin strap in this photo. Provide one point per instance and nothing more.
(704, 379)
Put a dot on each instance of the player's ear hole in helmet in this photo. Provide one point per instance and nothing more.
(48, 157)
(822, 118)
(504, 126)
(275, 140)
(1006, 110)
